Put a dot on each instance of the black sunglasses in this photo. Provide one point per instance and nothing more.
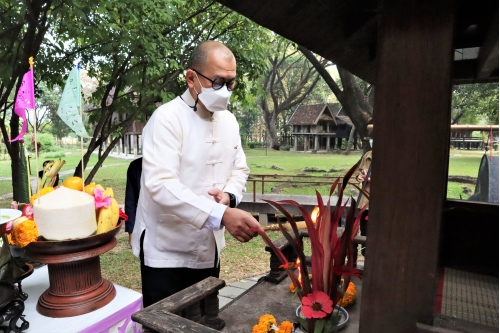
(219, 82)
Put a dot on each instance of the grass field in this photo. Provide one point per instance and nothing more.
(237, 260)
(260, 161)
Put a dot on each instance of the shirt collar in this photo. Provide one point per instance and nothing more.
(188, 99)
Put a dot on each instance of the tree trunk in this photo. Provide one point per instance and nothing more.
(354, 104)
(14, 156)
(272, 133)
(358, 109)
(350, 141)
(101, 160)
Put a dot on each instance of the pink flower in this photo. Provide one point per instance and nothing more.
(101, 200)
(316, 305)
(8, 228)
(27, 211)
(14, 205)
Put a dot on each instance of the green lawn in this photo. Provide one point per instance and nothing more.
(260, 161)
(72, 158)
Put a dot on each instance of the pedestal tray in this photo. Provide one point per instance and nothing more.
(76, 285)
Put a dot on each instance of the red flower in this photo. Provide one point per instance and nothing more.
(316, 305)
(123, 216)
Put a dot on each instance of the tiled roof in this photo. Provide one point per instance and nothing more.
(343, 119)
(310, 114)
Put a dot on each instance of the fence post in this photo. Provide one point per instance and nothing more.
(262, 177)
(254, 191)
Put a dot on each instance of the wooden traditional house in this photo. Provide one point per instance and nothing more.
(326, 125)
(465, 140)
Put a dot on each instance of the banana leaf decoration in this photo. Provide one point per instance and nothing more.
(50, 171)
(24, 176)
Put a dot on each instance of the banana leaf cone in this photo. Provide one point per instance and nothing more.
(24, 177)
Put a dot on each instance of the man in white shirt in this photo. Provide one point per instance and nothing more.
(193, 176)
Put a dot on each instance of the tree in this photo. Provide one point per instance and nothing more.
(288, 81)
(474, 103)
(47, 101)
(356, 97)
(23, 26)
(137, 50)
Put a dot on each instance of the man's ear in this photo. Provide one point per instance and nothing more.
(190, 77)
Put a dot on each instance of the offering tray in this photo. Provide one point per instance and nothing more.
(76, 285)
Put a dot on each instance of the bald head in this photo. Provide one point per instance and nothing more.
(199, 57)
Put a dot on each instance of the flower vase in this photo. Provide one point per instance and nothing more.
(340, 325)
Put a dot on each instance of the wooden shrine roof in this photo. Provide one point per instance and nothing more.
(346, 32)
(311, 114)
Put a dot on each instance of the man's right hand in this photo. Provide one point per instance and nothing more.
(239, 224)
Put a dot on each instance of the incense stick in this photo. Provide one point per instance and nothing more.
(81, 149)
(36, 159)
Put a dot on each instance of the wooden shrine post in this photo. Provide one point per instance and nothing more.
(411, 121)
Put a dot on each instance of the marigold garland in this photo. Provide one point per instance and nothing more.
(266, 323)
(24, 233)
(43, 191)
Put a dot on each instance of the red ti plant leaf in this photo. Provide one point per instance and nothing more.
(316, 247)
(329, 251)
(280, 255)
(295, 243)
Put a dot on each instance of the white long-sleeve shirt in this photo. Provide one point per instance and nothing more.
(185, 156)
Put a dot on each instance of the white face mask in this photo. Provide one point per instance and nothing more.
(214, 100)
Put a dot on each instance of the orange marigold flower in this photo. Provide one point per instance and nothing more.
(25, 233)
(285, 327)
(11, 239)
(261, 328)
(43, 191)
(268, 319)
(349, 297)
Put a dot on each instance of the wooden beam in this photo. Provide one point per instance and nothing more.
(485, 128)
(319, 27)
(487, 60)
(410, 161)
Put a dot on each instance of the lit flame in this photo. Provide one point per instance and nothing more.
(314, 214)
(299, 278)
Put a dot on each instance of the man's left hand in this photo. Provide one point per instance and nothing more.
(219, 196)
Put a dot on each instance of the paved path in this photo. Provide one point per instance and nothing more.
(235, 289)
